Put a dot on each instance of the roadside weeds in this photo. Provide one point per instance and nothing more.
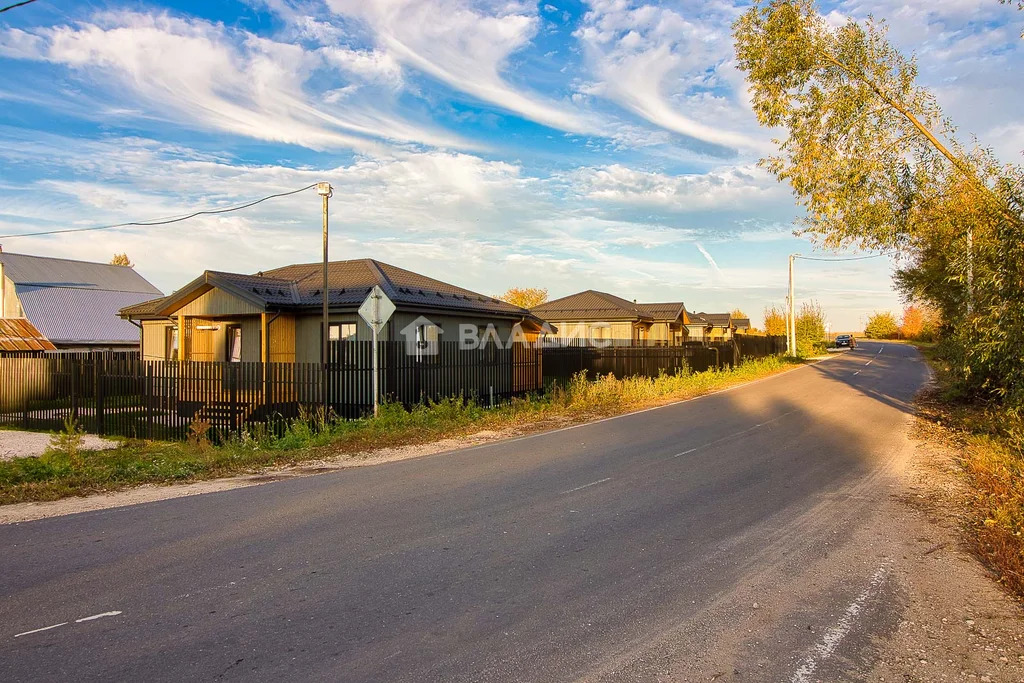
(314, 444)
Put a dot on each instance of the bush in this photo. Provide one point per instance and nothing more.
(881, 325)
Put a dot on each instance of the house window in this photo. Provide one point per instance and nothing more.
(426, 342)
(171, 343)
(234, 340)
(341, 332)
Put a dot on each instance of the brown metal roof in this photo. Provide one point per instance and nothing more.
(592, 305)
(301, 285)
(18, 334)
(716, 319)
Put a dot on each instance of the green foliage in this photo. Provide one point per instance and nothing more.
(875, 164)
(810, 329)
(69, 440)
(881, 325)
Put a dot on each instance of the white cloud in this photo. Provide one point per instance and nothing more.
(673, 70)
(724, 187)
(466, 47)
(214, 78)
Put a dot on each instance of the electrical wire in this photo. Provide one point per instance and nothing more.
(17, 4)
(845, 258)
(161, 221)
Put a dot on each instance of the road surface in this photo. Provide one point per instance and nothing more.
(721, 537)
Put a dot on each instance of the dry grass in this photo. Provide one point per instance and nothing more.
(991, 457)
(59, 473)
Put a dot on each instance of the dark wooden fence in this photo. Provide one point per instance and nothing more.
(118, 394)
(621, 360)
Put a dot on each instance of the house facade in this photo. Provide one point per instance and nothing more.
(598, 316)
(711, 327)
(73, 305)
(276, 316)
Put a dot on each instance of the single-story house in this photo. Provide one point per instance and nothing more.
(73, 304)
(741, 325)
(711, 327)
(594, 315)
(276, 316)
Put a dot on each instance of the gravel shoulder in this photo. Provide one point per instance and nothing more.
(958, 623)
(17, 444)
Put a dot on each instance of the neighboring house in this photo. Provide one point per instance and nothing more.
(593, 315)
(741, 325)
(711, 327)
(276, 316)
(73, 304)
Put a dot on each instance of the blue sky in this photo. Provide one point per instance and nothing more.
(567, 145)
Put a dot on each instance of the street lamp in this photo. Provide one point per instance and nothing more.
(325, 191)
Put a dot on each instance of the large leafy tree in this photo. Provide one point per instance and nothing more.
(774, 321)
(876, 165)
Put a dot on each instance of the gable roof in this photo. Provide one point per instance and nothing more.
(18, 334)
(300, 286)
(592, 305)
(715, 319)
(78, 302)
(741, 322)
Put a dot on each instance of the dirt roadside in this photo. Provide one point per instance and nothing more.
(958, 623)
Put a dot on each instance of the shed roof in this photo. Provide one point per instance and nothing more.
(18, 334)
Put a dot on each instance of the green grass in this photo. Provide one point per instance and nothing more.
(56, 474)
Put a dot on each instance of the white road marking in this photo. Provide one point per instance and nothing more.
(739, 433)
(593, 483)
(45, 628)
(97, 616)
(830, 641)
(870, 362)
(857, 373)
(65, 623)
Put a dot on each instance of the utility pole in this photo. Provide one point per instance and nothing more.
(325, 191)
(791, 318)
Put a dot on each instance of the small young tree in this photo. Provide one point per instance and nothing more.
(913, 322)
(122, 260)
(810, 328)
(524, 297)
(881, 325)
(774, 321)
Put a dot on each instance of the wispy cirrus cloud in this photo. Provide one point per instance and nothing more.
(205, 75)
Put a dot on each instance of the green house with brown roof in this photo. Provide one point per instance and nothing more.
(598, 316)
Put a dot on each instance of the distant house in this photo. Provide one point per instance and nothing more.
(72, 304)
(741, 325)
(593, 315)
(276, 316)
(711, 327)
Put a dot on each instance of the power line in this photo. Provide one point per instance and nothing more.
(846, 258)
(17, 4)
(162, 221)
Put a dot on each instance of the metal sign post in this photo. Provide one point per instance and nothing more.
(376, 310)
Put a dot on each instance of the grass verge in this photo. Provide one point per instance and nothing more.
(989, 442)
(58, 473)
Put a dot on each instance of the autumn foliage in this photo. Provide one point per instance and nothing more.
(525, 297)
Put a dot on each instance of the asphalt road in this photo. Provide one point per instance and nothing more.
(713, 537)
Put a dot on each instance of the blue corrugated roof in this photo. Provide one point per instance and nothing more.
(77, 301)
(70, 314)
